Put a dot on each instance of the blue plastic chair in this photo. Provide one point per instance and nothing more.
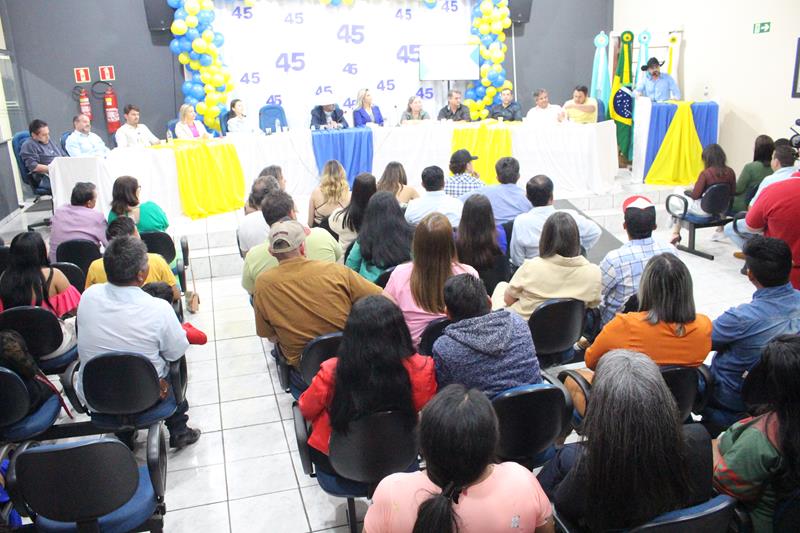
(171, 126)
(268, 114)
(16, 145)
(64, 140)
(42, 333)
(716, 201)
(601, 111)
(223, 122)
(16, 425)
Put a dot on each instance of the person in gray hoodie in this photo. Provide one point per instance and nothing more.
(488, 350)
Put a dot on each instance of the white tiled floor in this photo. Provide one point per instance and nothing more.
(244, 473)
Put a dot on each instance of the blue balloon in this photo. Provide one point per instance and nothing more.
(336, 2)
(198, 92)
(192, 34)
(470, 94)
(187, 88)
(181, 13)
(476, 11)
(474, 31)
(186, 44)
(497, 99)
(199, 116)
(499, 81)
(205, 17)
(174, 4)
(492, 76)
(175, 46)
(201, 28)
(219, 39)
(486, 40)
(191, 101)
(194, 56)
(206, 60)
(480, 92)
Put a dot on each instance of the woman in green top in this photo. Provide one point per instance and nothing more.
(758, 459)
(753, 172)
(125, 203)
(384, 240)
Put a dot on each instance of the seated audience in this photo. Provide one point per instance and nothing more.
(543, 112)
(507, 109)
(622, 268)
(328, 116)
(754, 173)
(757, 461)
(37, 153)
(331, 194)
(560, 271)
(106, 324)
(159, 289)
(271, 170)
(418, 286)
(346, 221)
(462, 484)
(435, 199)
(464, 178)
(375, 369)
(395, 181)
(414, 111)
(148, 216)
(491, 351)
(261, 186)
(454, 110)
(365, 112)
(528, 226)
(319, 244)
(14, 356)
(188, 127)
(637, 459)
(78, 219)
(82, 141)
(481, 244)
(581, 109)
(301, 299)
(507, 199)
(715, 171)
(384, 240)
(158, 269)
(741, 332)
(133, 133)
(252, 229)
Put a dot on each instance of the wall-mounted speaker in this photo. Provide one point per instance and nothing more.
(520, 10)
(159, 15)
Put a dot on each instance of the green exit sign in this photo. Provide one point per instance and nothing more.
(761, 27)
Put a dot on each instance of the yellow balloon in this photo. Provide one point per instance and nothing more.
(473, 39)
(249, 3)
(212, 50)
(347, 2)
(201, 108)
(205, 77)
(502, 3)
(507, 23)
(497, 68)
(503, 12)
(487, 100)
(212, 99)
(212, 111)
(199, 45)
(195, 65)
(208, 121)
(507, 85)
(474, 115)
(485, 82)
(491, 91)
(501, 37)
(484, 29)
(494, 47)
(486, 7)
(208, 36)
(207, 5)
(485, 52)
(183, 58)
(208, 88)
(192, 21)
(504, 48)
(192, 7)
(229, 87)
(484, 113)
(178, 27)
(497, 27)
(499, 57)
(217, 80)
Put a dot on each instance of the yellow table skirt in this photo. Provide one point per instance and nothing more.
(489, 140)
(210, 177)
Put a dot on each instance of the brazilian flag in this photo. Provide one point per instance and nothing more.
(620, 102)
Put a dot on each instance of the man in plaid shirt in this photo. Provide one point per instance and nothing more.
(464, 179)
(622, 268)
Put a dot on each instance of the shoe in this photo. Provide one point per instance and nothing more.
(187, 438)
(718, 236)
(738, 255)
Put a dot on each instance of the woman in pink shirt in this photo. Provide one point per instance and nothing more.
(462, 486)
(418, 287)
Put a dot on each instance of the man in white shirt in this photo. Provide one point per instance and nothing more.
(253, 230)
(119, 316)
(528, 226)
(132, 133)
(435, 199)
(544, 111)
(83, 141)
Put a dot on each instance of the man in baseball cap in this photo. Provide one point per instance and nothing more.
(464, 179)
(655, 85)
(286, 236)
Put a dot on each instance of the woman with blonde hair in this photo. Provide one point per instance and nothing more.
(332, 193)
(188, 127)
(395, 181)
(366, 112)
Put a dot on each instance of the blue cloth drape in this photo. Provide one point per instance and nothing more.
(706, 120)
(705, 115)
(351, 147)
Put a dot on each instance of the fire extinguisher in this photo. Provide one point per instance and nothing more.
(82, 96)
(110, 105)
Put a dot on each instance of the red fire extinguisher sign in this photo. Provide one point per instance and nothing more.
(106, 73)
(82, 75)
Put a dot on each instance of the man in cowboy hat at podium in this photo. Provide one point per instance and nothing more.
(656, 85)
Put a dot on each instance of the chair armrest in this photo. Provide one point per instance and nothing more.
(178, 379)
(11, 481)
(157, 458)
(701, 400)
(736, 218)
(301, 430)
(568, 407)
(185, 250)
(68, 384)
(685, 205)
(283, 368)
(180, 270)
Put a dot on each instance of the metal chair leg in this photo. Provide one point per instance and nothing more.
(352, 519)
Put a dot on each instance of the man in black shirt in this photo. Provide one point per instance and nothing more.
(454, 110)
(37, 153)
(507, 109)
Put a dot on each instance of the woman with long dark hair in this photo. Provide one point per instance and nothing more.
(395, 181)
(377, 369)
(462, 490)
(637, 460)
(754, 173)
(385, 238)
(148, 216)
(759, 457)
(418, 287)
(481, 243)
(237, 118)
(346, 221)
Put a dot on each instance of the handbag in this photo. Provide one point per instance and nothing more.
(191, 296)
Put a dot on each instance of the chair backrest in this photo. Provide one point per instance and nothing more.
(433, 331)
(16, 145)
(374, 447)
(64, 140)
(120, 383)
(499, 271)
(383, 279)
(713, 516)
(39, 327)
(556, 325)
(682, 382)
(531, 418)
(69, 482)
(268, 114)
(4, 251)
(171, 126)
(716, 199)
(601, 110)
(160, 243)
(223, 122)
(316, 352)
(508, 227)
(787, 513)
(74, 274)
(14, 399)
(631, 304)
(79, 252)
(755, 389)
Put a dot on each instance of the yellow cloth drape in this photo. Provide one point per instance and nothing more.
(210, 177)
(489, 140)
(678, 161)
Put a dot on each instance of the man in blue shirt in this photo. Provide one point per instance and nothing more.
(657, 86)
(507, 199)
(740, 333)
(83, 141)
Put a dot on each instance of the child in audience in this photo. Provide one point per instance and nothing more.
(159, 289)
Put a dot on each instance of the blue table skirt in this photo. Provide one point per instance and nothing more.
(351, 147)
(706, 120)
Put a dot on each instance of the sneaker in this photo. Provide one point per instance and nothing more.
(738, 255)
(718, 236)
(187, 438)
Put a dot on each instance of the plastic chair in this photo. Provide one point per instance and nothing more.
(67, 486)
(499, 271)
(316, 352)
(42, 333)
(171, 127)
(383, 279)
(73, 273)
(433, 331)
(223, 122)
(268, 114)
(556, 326)
(16, 425)
(4, 251)
(716, 201)
(16, 145)
(80, 252)
(63, 139)
(161, 243)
